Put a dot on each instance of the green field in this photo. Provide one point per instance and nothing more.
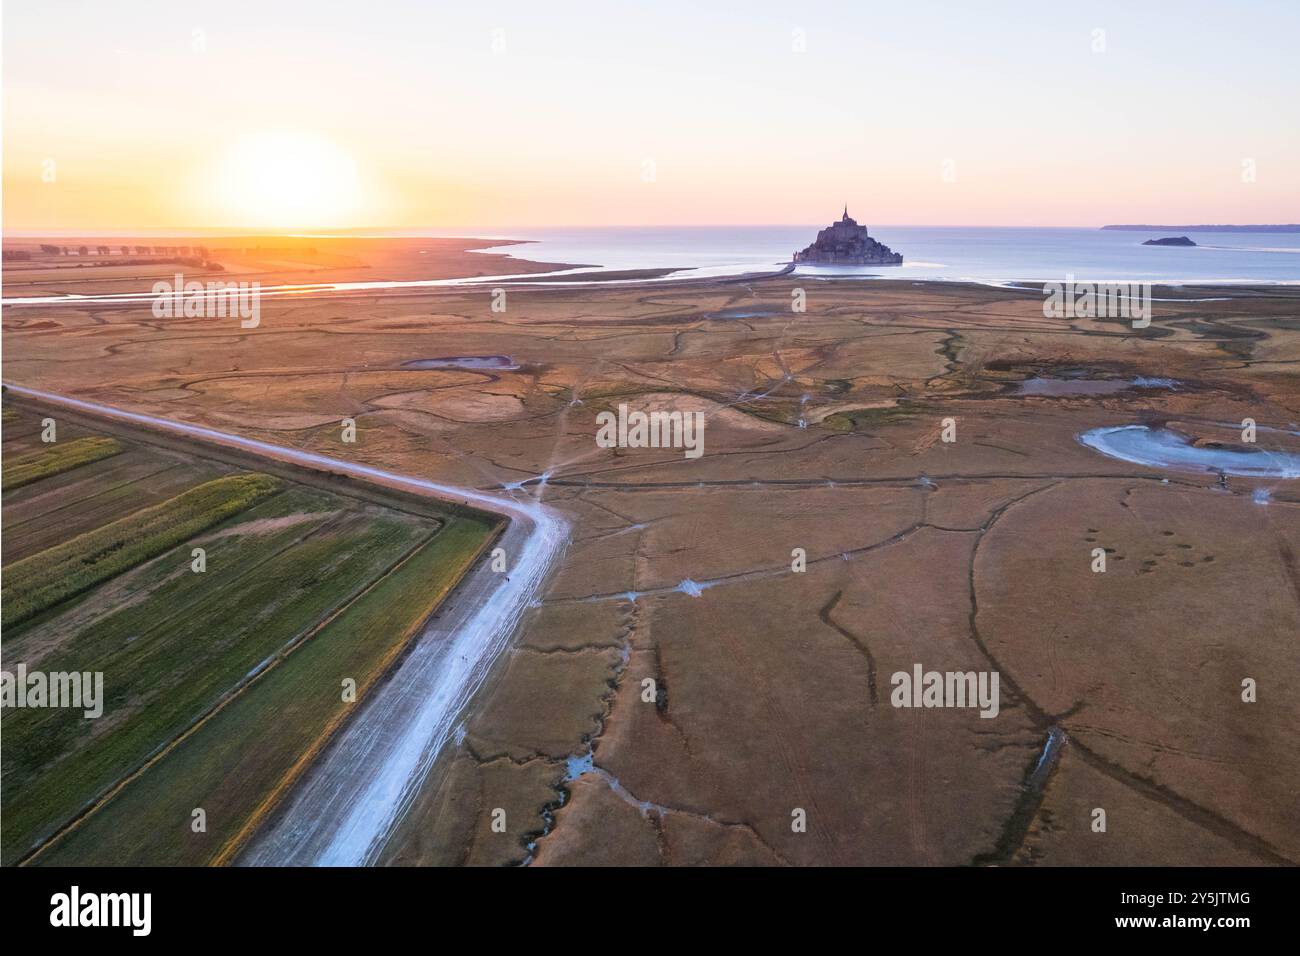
(58, 508)
(302, 587)
(230, 765)
(59, 457)
(55, 574)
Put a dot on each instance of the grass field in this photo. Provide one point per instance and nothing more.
(57, 458)
(44, 514)
(231, 766)
(42, 580)
(301, 588)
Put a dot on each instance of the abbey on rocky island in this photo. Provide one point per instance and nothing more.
(845, 243)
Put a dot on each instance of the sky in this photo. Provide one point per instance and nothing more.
(315, 115)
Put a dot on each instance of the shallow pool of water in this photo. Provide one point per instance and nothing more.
(1165, 448)
(743, 314)
(1089, 386)
(491, 363)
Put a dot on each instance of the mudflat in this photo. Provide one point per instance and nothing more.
(686, 693)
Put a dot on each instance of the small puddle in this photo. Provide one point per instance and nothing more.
(578, 765)
(491, 363)
(1089, 386)
(1047, 760)
(1165, 448)
(743, 314)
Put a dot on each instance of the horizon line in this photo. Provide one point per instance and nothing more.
(478, 232)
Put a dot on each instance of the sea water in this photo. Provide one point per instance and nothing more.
(957, 253)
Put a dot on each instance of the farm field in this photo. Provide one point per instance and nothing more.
(25, 469)
(300, 589)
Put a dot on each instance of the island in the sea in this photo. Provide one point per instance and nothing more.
(845, 243)
(1170, 241)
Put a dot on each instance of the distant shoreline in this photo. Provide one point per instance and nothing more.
(1285, 227)
(313, 266)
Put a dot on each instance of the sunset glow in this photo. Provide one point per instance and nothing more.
(465, 116)
(282, 179)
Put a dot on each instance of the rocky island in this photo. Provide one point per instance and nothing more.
(1170, 241)
(845, 243)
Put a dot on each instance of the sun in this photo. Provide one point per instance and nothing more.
(286, 179)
